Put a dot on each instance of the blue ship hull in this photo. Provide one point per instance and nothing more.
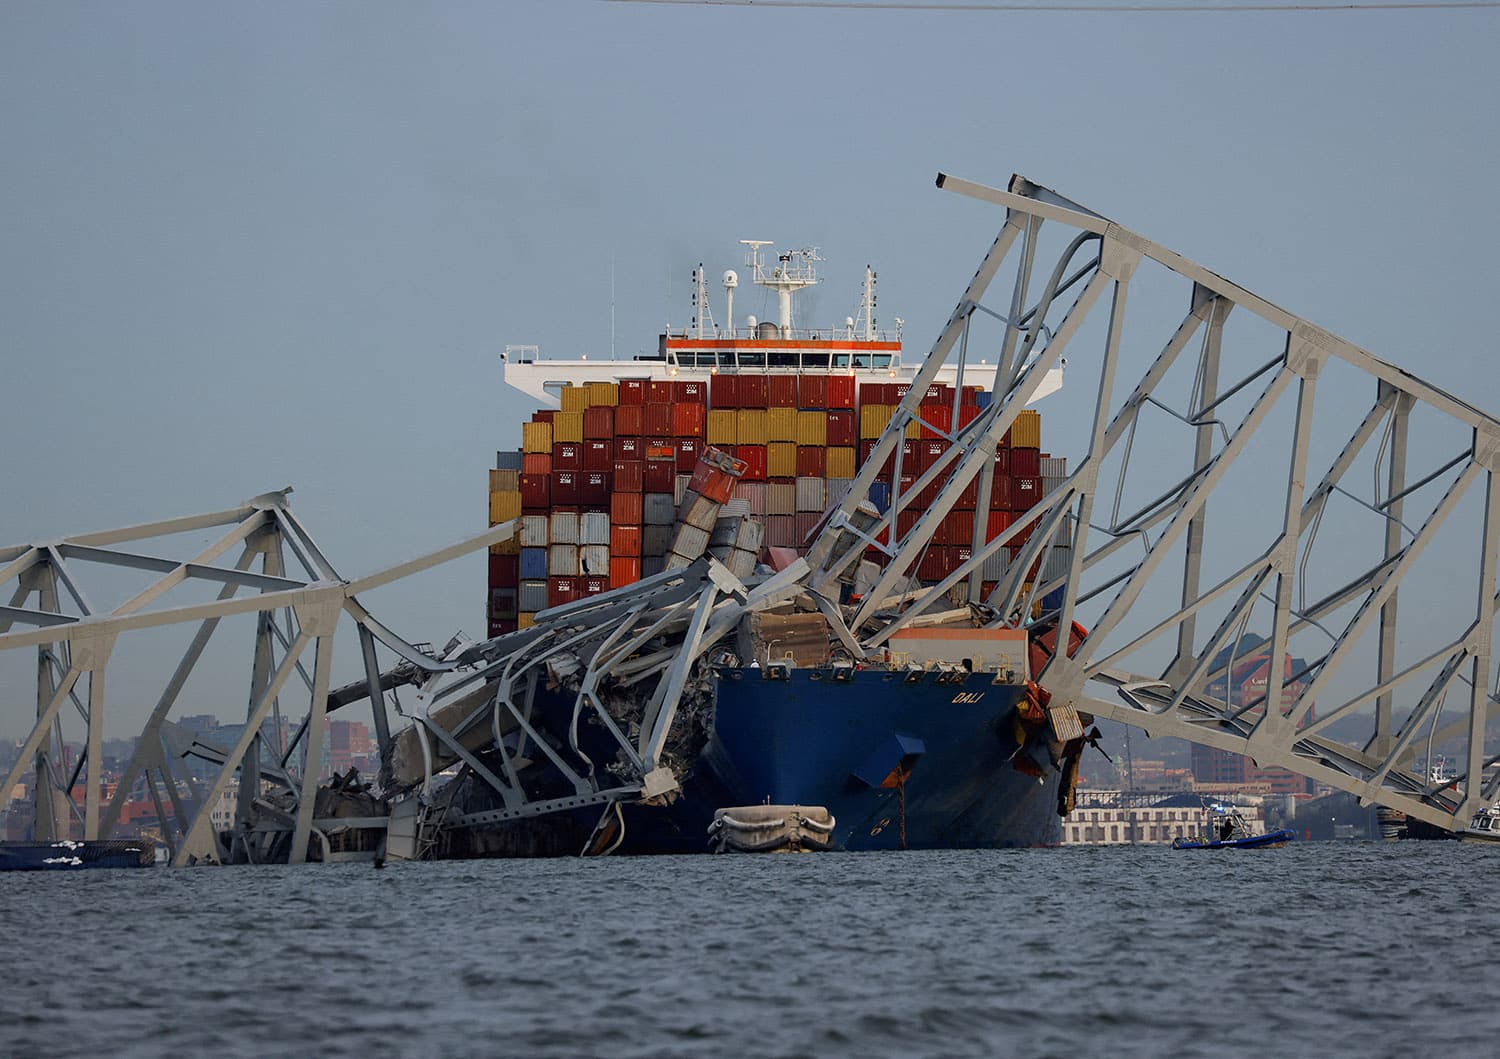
(811, 740)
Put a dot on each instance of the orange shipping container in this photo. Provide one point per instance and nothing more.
(626, 509)
(781, 459)
(688, 419)
(624, 570)
(625, 540)
(536, 463)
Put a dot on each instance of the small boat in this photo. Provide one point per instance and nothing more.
(1227, 829)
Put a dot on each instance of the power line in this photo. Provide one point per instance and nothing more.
(1068, 7)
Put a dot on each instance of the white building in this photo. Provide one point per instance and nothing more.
(1116, 818)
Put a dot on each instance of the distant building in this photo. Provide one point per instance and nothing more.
(1137, 818)
(348, 746)
(1240, 685)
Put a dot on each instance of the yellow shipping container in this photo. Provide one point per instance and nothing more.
(507, 547)
(812, 429)
(504, 480)
(781, 424)
(504, 506)
(525, 620)
(1026, 431)
(840, 463)
(781, 459)
(873, 419)
(913, 430)
(536, 437)
(751, 426)
(602, 393)
(567, 426)
(574, 399)
(723, 427)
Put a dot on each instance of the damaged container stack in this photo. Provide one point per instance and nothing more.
(631, 477)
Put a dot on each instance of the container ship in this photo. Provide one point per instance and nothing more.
(733, 442)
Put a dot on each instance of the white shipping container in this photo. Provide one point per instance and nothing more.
(1050, 483)
(534, 531)
(995, 565)
(736, 508)
(680, 487)
(781, 498)
(1057, 563)
(754, 494)
(562, 560)
(690, 542)
(725, 531)
(533, 596)
(1054, 467)
(750, 536)
(741, 563)
(699, 511)
(593, 528)
(593, 560)
(564, 528)
(838, 488)
(810, 494)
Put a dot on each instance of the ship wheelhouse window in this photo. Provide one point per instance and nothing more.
(882, 360)
(783, 359)
(752, 360)
(815, 358)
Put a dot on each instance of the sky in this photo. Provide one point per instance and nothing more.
(251, 246)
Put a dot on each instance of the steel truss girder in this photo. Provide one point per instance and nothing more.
(80, 640)
(1277, 727)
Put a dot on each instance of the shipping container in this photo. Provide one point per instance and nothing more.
(573, 398)
(781, 497)
(695, 509)
(624, 570)
(751, 391)
(593, 560)
(561, 590)
(536, 463)
(999, 522)
(532, 595)
(625, 540)
(629, 475)
(781, 391)
(630, 421)
(812, 391)
(688, 419)
(658, 475)
(527, 619)
(694, 390)
(593, 528)
(957, 527)
(723, 426)
(873, 419)
(598, 422)
(690, 542)
(567, 456)
(840, 462)
(1025, 490)
(937, 563)
(564, 489)
(534, 531)
(1052, 466)
(1025, 463)
(807, 525)
(598, 455)
(781, 424)
(503, 603)
(754, 458)
(536, 491)
(751, 426)
(688, 451)
(812, 429)
(753, 494)
(567, 426)
(680, 487)
(602, 393)
(839, 428)
(536, 437)
(563, 527)
(505, 571)
(630, 449)
(723, 393)
(810, 494)
(659, 391)
(533, 564)
(658, 420)
(506, 506)
(626, 509)
(811, 461)
(937, 421)
(505, 480)
(593, 490)
(781, 458)
(840, 391)
(781, 531)
(562, 560)
(632, 392)
(1026, 431)
(655, 540)
(1000, 492)
(659, 510)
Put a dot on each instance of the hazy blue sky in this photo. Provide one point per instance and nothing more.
(246, 246)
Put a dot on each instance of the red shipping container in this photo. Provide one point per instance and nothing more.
(632, 392)
(536, 463)
(929, 452)
(937, 563)
(1000, 492)
(567, 456)
(807, 525)
(630, 449)
(593, 489)
(659, 391)
(543, 415)
(629, 476)
(957, 527)
(1025, 490)
(624, 540)
(752, 391)
(688, 419)
(874, 393)
(561, 590)
(841, 391)
(969, 497)
(658, 420)
(624, 570)
(812, 392)
(626, 509)
(688, 451)
(781, 391)
(564, 488)
(940, 418)
(811, 460)
(502, 627)
(593, 586)
(693, 390)
(1026, 463)
(962, 554)
(630, 420)
(999, 523)
(599, 422)
(536, 491)
(841, 429)
(598, 455)
(755, 458)
(906, 521)
(967, 413)
(1002, 461)
(723, 391)
(505, 571)
(938, 393)
(661, 450)
(659, 476)
(897, 391)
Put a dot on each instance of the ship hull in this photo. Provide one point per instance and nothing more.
(900, 765)
(75, 856)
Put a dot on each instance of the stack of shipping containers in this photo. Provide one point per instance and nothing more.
(599, 484)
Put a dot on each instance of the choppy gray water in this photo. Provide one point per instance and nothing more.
(1325, 948)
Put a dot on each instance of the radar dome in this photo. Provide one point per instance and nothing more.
(730, 278)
